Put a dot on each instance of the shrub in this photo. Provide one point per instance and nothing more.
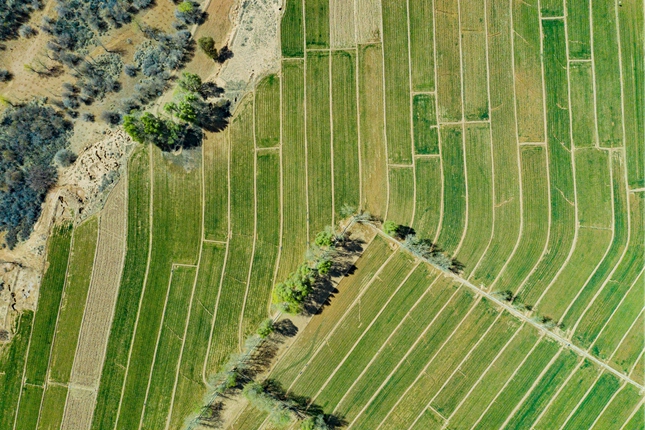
(5, 75)
(111, 117)
(190, 82)
(30, 135)
(13, 14)
(266, 328)
(64, 157)
(26, 31)
(87, 117)
(188, 12)
(391, 228)
(207, 45)
(324, 239)
(131, 70)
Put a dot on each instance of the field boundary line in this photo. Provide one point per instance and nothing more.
(228, 244)
(60, 303)
(408, 352)
(541, 144)
(538, 379)
(463, 121)
(387, 152)
(442, 204)
(636, 190)
(490, 135)
(619, 262)
(611, 399)
(240, 326)
(639, 405)
(457, 369)
(331, 123)
(593, 75)
(411, 98)
(574, 245)
(154, 357)
(547, 157)
(304, 110)
(364, 332)
(483, 374)
(517, 369)
(581, 352)
(359, 141)
(342, 318)
(611, 242)
(620, 71)
(396, 329)
(192, 294)
(582, 399)
(463, 130)
(145, 283)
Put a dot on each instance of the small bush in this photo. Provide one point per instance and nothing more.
(26, 31)
(391, 228)
(130, 70)
(207, 45)
(266, 328)
(5, 75)
(87, 117)
(64, 157)
(111, 117)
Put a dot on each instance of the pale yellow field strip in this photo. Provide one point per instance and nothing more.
(99, 309)
(384, 89)
(368, 21)
(304, 108)
(411, 98)
(342, 25)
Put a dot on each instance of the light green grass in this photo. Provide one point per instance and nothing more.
(579, 25)
(401, 201)
(266, 245)
(560, 165)
(51, 414)
(593, 183)
(372, 129)
(428, 197)
(480, 196)
(632, 29)
(583, 122)
(349, 288)
(421, 45)
(625, 274)
(292, 32)
(443, 364)
(29, 407)
(360, 394)
(397, 81)
(416, 288)
(345, 130)
(375, 300)
(227, 319)
(540, 396)
(424, 116)
(242, 170)
(473, 46)
(428, 421)
(492, 382)
(505, 149)
(458, 385)
(454, 188)
(568, 398)
(267, 112)
(12, 364)
(169, 347)
(51, 290)
(520, 385)
(627, 352)
(294, 238)
(448, 61)
(636, 423)
(73, 303)
(528, 72)
(619, 409)
(594, 402)
(177, 210)
(190, 383)
(535, 194)
(619, 242)
(319, 161)
(552, 8)
(607, 73)
(127, 304)
(317, 23)
(215, 152)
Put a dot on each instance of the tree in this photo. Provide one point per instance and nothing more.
(391, 228)
(188, 12)
(324, 239)
(266, 328)
(315, 423)
(190, 82)
(64, 157)
(207, 45)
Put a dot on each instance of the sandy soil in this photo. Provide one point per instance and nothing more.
(78, 402)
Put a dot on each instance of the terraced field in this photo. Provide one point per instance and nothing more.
(509, 132)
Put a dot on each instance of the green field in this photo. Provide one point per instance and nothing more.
(510, 134)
